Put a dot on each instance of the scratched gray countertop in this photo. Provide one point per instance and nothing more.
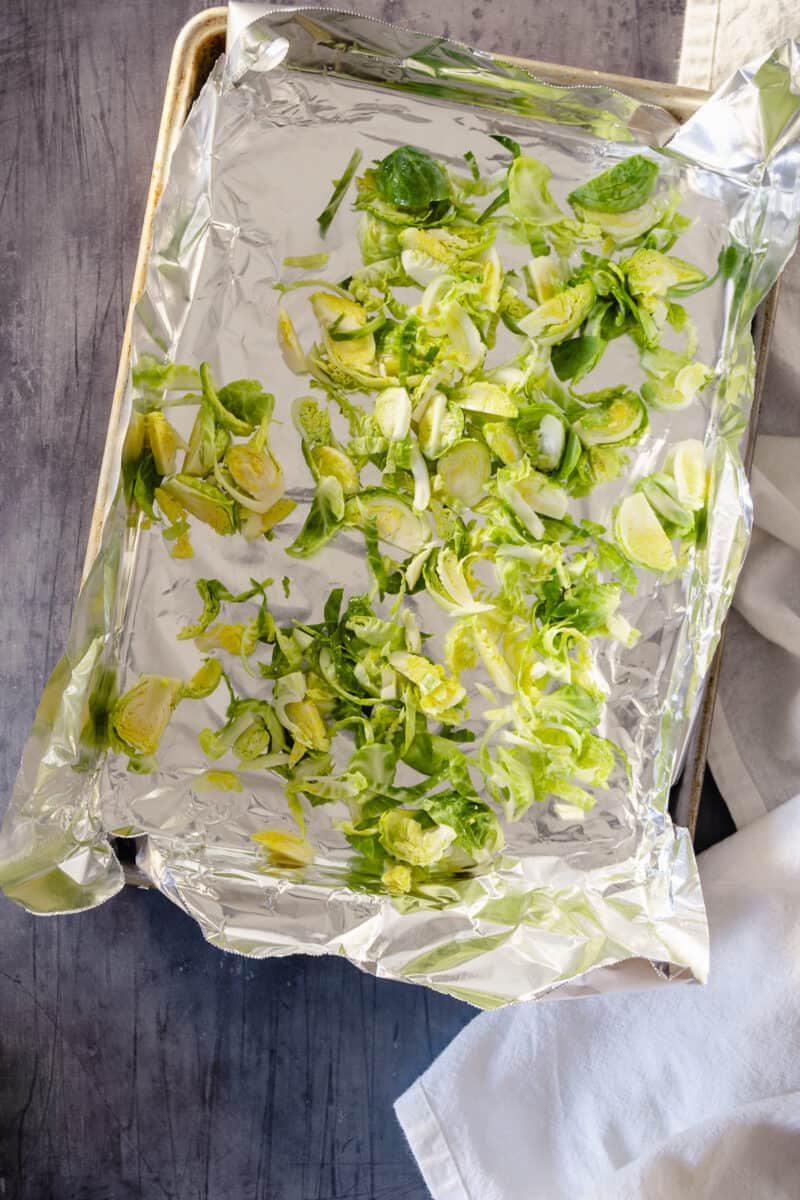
(135, 1060)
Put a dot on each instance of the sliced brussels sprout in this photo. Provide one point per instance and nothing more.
(440, 426)
(334, 311)
(203, 682)
(447, 584)
(465, 341)
(530, 495)
(687, 464)
(550, 439)
(465, 469)
(663, 499)
(253, 525)
(614, 417)
(528, 194)
(329, 460)
(207, 444)
(542, 495)
(681, 391)
(135, 439)
(256, 471)
(487, 399)
(414, 837)
(650, 273)
(544, 274)
(163, 442)
(421, 267)
(640, 535)
(502, 441)
(422, 480)
(438, 693)
(620, 189)
(203, 500)
(560, 316)
(397, 879)
(395, 520)
(312, 421)
(392, 413)
(299, 715)
(293, 353)
(139, 717)
(487, 643)
(284, 849)
(376, 239)
(570, 458)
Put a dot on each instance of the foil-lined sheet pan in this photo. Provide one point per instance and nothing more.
(277, 119)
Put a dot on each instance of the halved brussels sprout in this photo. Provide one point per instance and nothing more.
(640, 535)
(334, 311)
(392, 413)
(203, 500)
(329, 460)
(614, 417)
(560, 316)
(465, 469)
(440, 426)
(140, 716)
(395, 520)
(486, 398)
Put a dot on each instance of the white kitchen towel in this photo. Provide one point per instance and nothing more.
(680, 1091)
(754, 752)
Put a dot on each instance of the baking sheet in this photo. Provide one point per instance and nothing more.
(197, 848)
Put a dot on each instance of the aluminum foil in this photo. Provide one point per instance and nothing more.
(299, 90)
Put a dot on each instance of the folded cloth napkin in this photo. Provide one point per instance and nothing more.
(671, 1092)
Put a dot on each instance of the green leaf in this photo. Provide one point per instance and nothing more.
(324, 520)
(513, 147)
(621, 188)
(339, 190)
(412, 181)
(575, 358)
